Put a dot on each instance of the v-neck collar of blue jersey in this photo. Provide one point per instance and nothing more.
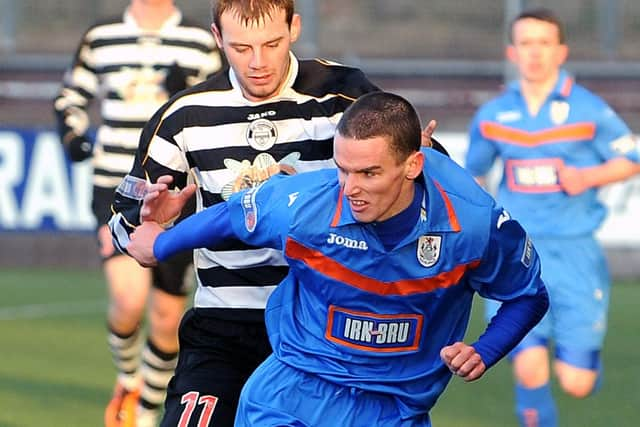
(557, 92)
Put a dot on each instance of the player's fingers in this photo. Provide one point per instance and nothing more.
(475, 373)
(164, 179)
(466, 362)
(449, 352)
(430, 128)
(187, 192)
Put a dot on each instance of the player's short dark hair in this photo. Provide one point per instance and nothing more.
(540, 14)
(251, 11)
(383, 114)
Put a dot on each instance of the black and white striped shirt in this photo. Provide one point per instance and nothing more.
(125, 66)
(228, 142)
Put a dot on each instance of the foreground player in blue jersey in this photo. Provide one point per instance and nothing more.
(385, 255)
(559, 143)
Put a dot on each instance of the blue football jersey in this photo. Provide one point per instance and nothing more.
(359, 315)
(573, 127)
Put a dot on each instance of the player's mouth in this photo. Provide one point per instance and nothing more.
(358, 205)
(260, 80)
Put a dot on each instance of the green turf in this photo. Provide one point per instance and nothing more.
(55, 369)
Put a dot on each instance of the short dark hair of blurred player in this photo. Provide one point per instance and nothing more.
(133, 63)
(558, 143)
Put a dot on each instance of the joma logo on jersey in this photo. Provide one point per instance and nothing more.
(335, 239)
(374, 332)
(254, 116)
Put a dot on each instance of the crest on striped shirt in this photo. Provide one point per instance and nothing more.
(262, 134)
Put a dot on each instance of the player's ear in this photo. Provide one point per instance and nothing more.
(217, 35)
(296, 27)
(414, 165)
(563, 53)
(511, 54)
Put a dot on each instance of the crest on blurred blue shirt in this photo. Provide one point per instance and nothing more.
(429, 249)
(559, 112)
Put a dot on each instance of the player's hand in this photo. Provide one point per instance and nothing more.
(427, 132)
(162, 205)
(79, 149)
(463, 361)
(141, 243)
(572, 180)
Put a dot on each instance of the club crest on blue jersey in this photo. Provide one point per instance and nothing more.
(250, 209)
(428, 251)
(262, 134)
(559, 112)
(374, 332)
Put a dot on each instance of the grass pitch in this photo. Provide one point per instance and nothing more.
(55, 369)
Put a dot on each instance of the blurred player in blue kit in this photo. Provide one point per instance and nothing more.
(559, 143)
(133, 63)
(385, 255)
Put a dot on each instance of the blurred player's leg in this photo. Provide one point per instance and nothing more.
(128, 289)
(535, 406)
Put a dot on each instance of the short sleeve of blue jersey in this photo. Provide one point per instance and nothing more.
(261, 216)
(613, 137)
(481, 153)
(510, 267)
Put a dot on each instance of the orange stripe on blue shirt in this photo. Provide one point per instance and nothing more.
(335, 270)
(568, 133)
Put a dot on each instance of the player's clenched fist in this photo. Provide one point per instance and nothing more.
(463, 361)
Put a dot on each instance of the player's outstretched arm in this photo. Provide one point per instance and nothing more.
(150, 243)
(142, 241)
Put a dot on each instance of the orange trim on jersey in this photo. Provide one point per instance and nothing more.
(416, 336)
(566, 133)
(336, 216)
(329, 267)
(566, 87)
(453, 218)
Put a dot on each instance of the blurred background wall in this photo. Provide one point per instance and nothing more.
(446, 56)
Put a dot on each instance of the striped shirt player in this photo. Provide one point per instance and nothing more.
(357, 327)
(131, 71)
(124, 64)
(574, 127)
(230, 143)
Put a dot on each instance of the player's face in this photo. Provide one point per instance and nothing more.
(377, 185)
(258, 52)
(536, 50)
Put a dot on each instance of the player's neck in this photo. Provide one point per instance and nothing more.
(536, 93)
(151, 16)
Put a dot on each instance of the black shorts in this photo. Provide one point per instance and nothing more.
(168, 276)
(216, 358)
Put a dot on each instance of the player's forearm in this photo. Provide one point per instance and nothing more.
(509, 326)
(204, 229)
(612, 171)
